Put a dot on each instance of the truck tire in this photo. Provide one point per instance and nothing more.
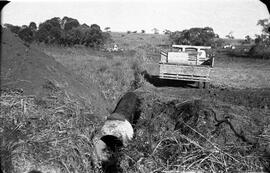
(206, 85)
(200, 85)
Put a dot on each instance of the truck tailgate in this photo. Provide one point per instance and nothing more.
(184, 72)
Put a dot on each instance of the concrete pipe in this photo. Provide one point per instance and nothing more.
(117, 130)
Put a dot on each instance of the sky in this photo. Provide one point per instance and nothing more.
(224, 16)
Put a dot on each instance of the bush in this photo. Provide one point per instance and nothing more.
(45, 133)
(66, 31)
(260, 51)
(26, 34)
(194, 36)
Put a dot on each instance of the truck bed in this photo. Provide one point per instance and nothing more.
(185, 72)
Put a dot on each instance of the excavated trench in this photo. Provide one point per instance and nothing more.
(222, 124)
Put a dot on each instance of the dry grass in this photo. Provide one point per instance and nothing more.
(115, 73)
(135, 40)
(47, 134)
(240, 72)
(158, 147)
(53, 134)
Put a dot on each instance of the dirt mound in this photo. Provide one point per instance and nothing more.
(27, 68)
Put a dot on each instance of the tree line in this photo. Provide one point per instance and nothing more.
(66, 31)
(193, 36)
(261, 49)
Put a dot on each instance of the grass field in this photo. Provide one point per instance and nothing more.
(62, 131)
(241, 72)
(143, 50)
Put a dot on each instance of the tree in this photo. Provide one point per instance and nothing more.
(230, 36)
(12, 28)
(94, 37)
(85, 26)
(142, 31)
(49, 31)
(26, 34)
(194, 36)
(73, 36)
(155, 30)
(68, 23)
(247, 39)
(265, 24)
(107, 29)
(262, 42)
(95, 26)
(167, 32)
(33, 26)
(219, 42)
(264, 38)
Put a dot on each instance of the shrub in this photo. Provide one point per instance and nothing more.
(194, 36)
(66, 31)
(55, 136)
(260, 51)
(26, 34)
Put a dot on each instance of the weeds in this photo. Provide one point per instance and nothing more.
(159, 147)
(55, 137)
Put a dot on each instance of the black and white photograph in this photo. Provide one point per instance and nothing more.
(135, 86)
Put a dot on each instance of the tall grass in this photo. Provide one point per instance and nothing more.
(47, 134)
(113, 72)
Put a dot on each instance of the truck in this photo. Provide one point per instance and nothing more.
(187, 63)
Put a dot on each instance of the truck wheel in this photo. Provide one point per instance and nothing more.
(206, 85)
(200, 85)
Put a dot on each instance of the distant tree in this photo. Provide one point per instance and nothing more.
(12, 28)
(26, 34)
(264, 38)
(194, 36)
(265, 24)
(142, 31)
(230, 36)
(262, 42)
(66, 31)
(247, 39)
(155, 30)
(167, 32)
(95, 26)
(219, 42)
(49, 31)
(107, 29)
(33, 26)
(134, 32)
(93, 37)
(68, 23)
(73, 36)
(85, 26)
(107, 37)
(128, 32)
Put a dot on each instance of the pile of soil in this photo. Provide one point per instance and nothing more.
(35, 73)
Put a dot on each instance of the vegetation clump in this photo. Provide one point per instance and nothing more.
(66, 32)
(52, 133)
